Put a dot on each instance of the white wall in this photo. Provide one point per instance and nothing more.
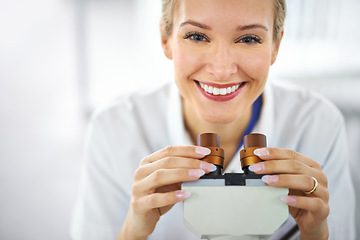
(41, 124)
(123, 47)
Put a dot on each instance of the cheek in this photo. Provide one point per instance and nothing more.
(187, 59)
(184, 66)
(256, 66)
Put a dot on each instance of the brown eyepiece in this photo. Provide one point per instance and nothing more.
(216, 157)
(247, 157)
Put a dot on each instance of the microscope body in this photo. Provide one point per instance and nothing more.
(233, 205)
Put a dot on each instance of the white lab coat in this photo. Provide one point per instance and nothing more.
(138, 124)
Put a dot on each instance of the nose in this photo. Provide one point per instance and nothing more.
(221, 62)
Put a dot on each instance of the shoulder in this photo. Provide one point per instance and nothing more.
(135, 120)
(304, 120)
(128, 129)
(128, 109)
(302, 103)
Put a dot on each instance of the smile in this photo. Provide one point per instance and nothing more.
(220, 91)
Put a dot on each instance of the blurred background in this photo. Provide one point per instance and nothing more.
(60, 59)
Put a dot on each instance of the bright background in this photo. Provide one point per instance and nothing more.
(60, 59)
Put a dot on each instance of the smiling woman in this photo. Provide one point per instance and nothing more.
(141, 147)
(221, 51)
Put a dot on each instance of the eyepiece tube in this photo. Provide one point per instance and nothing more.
(216, 157)
(247, 156)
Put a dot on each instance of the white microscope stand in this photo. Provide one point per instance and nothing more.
(217, 211)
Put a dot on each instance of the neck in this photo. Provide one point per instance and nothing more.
(230, 133)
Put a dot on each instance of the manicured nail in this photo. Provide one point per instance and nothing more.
(181, 194)
(288, 199)
(196, 172)
(202, 151)
(257, 167)
(270, 178)
(207, 166)
(261, 152)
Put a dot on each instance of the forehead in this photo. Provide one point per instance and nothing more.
(225, 13)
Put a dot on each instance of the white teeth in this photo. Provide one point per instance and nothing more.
(223, 91)
(206, 88)
(219, 91)
(228, 90)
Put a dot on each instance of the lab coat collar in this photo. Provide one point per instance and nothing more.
(175, 122)
(265, 124)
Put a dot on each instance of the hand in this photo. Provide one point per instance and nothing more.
(292, 170)
(156, 186)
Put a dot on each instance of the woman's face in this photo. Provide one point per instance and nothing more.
(222, 51)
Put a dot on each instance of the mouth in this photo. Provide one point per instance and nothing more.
(218, 92)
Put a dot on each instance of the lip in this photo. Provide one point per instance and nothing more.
(220, 98)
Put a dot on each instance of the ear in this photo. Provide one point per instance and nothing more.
(275, 51)
(166, 45)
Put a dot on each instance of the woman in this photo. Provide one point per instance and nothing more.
(222, 52)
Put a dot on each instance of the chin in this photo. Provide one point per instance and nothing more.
(219, 118)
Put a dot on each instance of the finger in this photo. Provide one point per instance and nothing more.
(297, 182)
(173, 163)
(281, 166)
(315, 205)
(158, 200)
(288, 167)
(163, 177)
(285, 154)
(180, 151)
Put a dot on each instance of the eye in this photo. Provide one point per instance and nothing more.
(196, 37)
(250, 40)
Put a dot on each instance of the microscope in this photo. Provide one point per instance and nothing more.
(230, 205)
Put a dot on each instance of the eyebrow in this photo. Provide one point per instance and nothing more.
(196, 24)
(240, 28)
(252, 26)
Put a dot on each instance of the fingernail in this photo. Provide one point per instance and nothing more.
(196, 172)
(257, 167)
(261, 152)
(288, 199)
(207, 166)
(202, 151)
(270, 178)
(181, 194)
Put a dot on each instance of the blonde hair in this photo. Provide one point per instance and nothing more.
(168, 8)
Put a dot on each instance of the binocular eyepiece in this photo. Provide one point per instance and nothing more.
(217, 155)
